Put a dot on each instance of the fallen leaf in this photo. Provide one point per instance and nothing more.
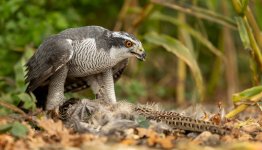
(6, 141)
(252, 127)
(52, 127)
(228, 139)
(20, 145)
(244, 137)
(207, 138)
(167, 142)
(259, 137)
(129, 142)
(216, 119)
(152, 138)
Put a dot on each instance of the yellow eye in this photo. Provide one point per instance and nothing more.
(128, 44)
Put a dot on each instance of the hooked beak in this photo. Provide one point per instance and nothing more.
(139, 53)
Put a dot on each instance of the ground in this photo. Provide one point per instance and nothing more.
(20, 131)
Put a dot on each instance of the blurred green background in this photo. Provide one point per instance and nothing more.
(196, 49)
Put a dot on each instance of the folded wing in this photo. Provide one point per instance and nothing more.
(53, 54)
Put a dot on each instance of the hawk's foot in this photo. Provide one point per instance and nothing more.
(101, 94)
(53, 114)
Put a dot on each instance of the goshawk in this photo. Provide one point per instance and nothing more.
(78, 58)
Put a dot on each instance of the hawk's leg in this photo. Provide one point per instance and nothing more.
(102, 86)
(55, 95)
(108, 83)
(97, 86)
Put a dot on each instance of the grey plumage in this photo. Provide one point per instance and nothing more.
(97, 116)
(79, 58)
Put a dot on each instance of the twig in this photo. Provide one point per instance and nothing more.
(19, 111)
(145, 12)
(12, 107)
(143, 15)
(122, 15)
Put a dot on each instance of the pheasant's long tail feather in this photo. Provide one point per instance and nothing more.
(175, 120)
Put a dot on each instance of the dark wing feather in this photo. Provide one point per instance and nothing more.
(78, 84)
(52, 54)
(119, 68)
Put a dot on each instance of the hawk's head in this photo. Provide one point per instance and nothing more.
(125, 45)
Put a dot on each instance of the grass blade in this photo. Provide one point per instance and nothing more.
(247, 94)
(243, 32)
(197, 35)
(176, 47)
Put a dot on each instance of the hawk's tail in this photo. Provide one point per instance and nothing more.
(41, 96)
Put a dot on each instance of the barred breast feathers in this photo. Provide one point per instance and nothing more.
(87, 59)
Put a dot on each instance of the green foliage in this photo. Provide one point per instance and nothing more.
(28, 22)
(15, 128)
(17, 93)
(132, 90)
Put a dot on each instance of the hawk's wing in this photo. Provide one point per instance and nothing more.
(119, 68)
(52, 54)
(78, 84)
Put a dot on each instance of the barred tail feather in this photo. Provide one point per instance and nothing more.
(175, 120)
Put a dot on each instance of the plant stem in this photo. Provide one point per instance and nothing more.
(122, 15)
(236, 111)
(231, 70)
(254, 26)
(181, 75)
(253, 43)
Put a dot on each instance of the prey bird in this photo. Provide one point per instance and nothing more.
(78, 58)
(102, 117)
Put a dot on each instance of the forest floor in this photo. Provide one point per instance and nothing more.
(27, 132)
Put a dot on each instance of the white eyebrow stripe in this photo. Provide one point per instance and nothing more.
(117, 34)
